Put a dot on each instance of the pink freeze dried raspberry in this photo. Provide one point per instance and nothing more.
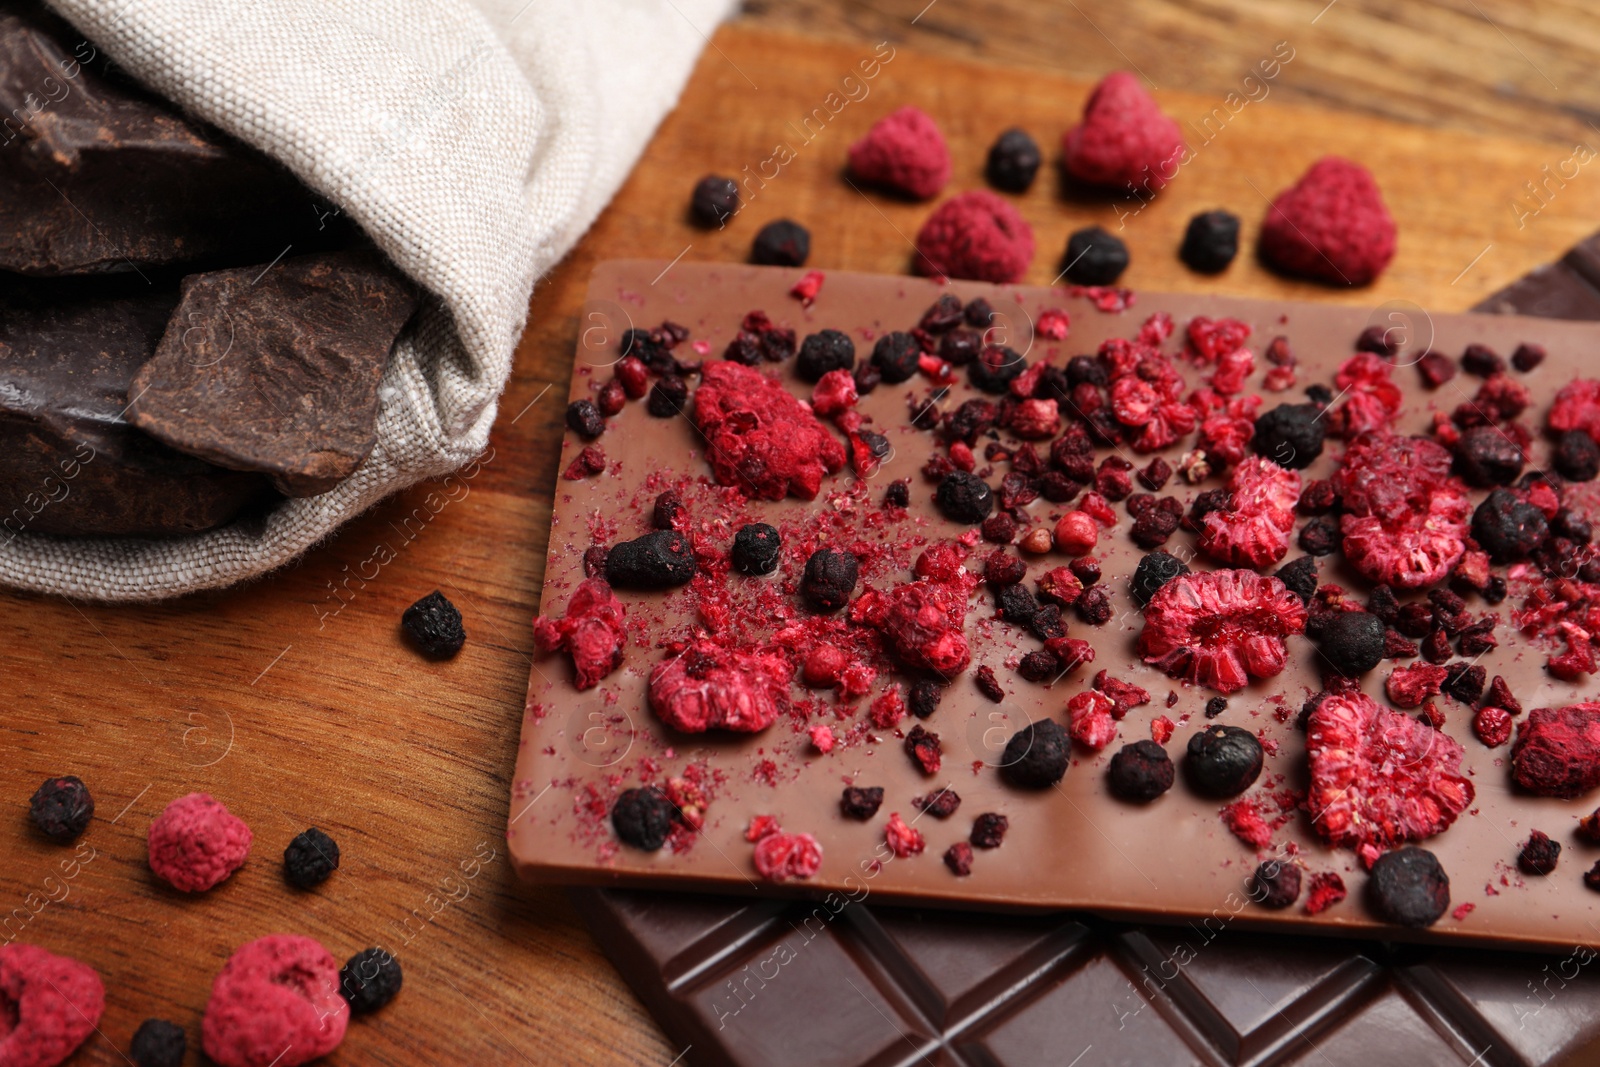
(975, 235)
(1406, 517)
(196, 843)
(1577, 407)
(1409, 686)
(922, 622)
(591, 632)
(1089, 719)
(1124, 139)
(1327, 889)
(835, 392)
(781, 856)
(1379, 778)
(760, 438)
(1331, 226)
(904, 840)
(1254, 531)
(1492, 725)
(903, 151)
(49, 1005)
(1557, 751)
(709, 687)
(1371, 398)
(1244, 819)
(1221, 628)
(275, 1002)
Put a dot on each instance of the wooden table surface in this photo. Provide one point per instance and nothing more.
(294, 700)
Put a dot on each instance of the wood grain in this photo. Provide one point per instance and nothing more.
(294, 701)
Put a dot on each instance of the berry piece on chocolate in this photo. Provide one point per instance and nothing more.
(1220, 628)
(781, 243)
(584, 419)
(434, 626)
(61, 808)
(643, 817)
(965, 498)
(1223, 761)
(1253, 529)
(925, 698)
(904, 839)
(905, 152)
(1301, 577)
(659, 560)
(995, 368)
(1036, 756)
(988, 830)
(714, 200)
(829, 579)
(196, 843)
(922, 745)
(1577, 457)
(1013, 161)
(158, 1043)
(1352, 642)
(1210, 242)
(756, 548)
(369, 980)
(1140, 772)
(780, 856)
(1155, 570)
(1290, 435)
(1405, 517)
(1330, 226)
(709, 687)
(822, 352)
(1508, 527)
(592, 632)
(1557, 752)
(897, 495)
(667, 397)
(976, 235)
(310, 859)
(896, 356)
(763, 439)
(1094, 257)
(1275, 884)
(861, 802)
(1408, 887)
(1539, 854)
(1481, 360)
(1486, 456)
(943, 315)
(1124, 140)
(940, 805)
(958, 857)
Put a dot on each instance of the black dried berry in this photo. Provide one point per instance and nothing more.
(667, 397)
(1210, 242)
(992, 372)
(897, 495)
(310, 859)
(756, 548)
(1086, 370)
(824, 351)
(1223, 761)
(941, 805)
(867, 378)
(1275, 884)
(1013, 161)
(943, 314)
(1481, 360)
(584, 419)
(960, 347)
(1290, 435)
(1486, 457)
(978, 312)
(1527, 356)
(643, 817)
(1321, 536)
(1577, 457)
(1140, 772)
(1508, 528)
(371, 979)
(1539, 854)
(988, 684)
(1039, 666)
(1408, 887)
(988, 830)
(1094, 606)
(896, 355)
(965, 423)
(925, 696)
(714, 200)
(668, 512)
(781, 243)
(829, 579)
(1094, 257)
(964, 497)
(1351, 642)
(861, 802)
(434, 626)
(594, 561)
(1300, 576)
(61, 808)
(1047, 622)
(1465, 681)
(1155, 570)
(158, 1043)
(1216, 706)
(1154, 527)
(1015, 604)
(659, 560)
(1036, 756)
(1379, 340)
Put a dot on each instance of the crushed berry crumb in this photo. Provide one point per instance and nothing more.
(1327, 889)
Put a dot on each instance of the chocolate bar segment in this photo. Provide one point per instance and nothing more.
(275, 367)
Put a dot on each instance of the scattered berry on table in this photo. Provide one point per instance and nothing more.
(1210, 242)
(310, 859)
(61, 808)
(1013, 161)
(369, 980)
(977, 235)
(196, 843)
(1124, 141)
(905, 152)
(714, 201)
(1094, 257)
(281, 991)
(434, 626)
(1331, 226)
(158, 1043)
(781, 243)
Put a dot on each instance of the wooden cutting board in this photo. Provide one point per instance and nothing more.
(294, 700)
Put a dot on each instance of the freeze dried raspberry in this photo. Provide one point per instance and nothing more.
(761, 439)
(1371, 398)
(1539, 854)
(940, 805)
(276, 1001)
(922, 622)
(49, 1005)
(1408, 687)
(1576, 407)
(835, 392)
(1220, 629)
(1124, 140)
(975, 235)
(1327, 889)
(822, 738)
(1037, 755)
(782, 856)
(924, 749)
(1331, 226)
(1500, 696)
(659, 560)
(1380, 778)
(806, 289)
(904, 840)
(1405, 517)
(196, 843)
(958, 857)
(1275, 884)
(1244, 820)
(1090, 720)
(1254, 530)
(903, 151)
(1140, 772)
(1557, 752)
(861, 802)
(1124, 695)
(988, 830)
(592, 632)
(709, 687)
